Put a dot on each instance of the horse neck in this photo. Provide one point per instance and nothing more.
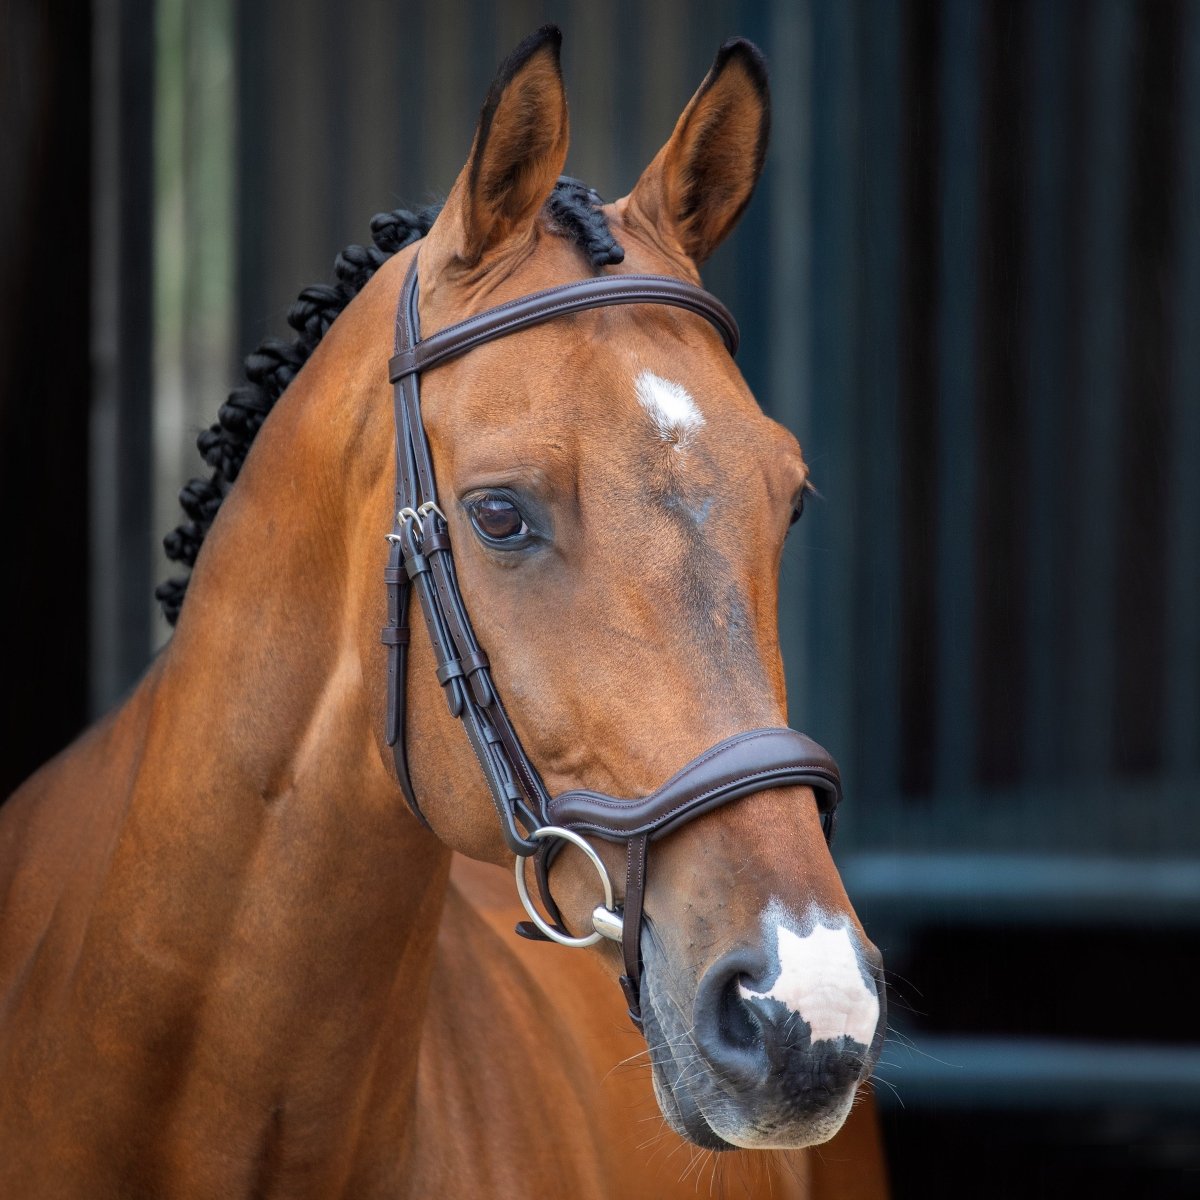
(268, 898)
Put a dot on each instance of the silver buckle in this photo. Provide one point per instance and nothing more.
(417, 517)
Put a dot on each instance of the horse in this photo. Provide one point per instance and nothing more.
(234, 962)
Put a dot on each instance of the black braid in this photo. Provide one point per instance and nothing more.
(575, 210)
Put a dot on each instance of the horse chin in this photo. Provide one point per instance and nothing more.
(695, 1106)
(683, 1115)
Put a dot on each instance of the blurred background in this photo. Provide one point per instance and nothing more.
(970, 282)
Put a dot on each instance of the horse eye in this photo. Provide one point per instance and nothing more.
(497, 519)
(798, 503)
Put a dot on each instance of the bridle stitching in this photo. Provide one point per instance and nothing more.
(450, 330)
(690, 802)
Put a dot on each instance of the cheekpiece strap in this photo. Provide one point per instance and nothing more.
(420, 559)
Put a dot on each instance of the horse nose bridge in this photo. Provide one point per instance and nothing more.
(693, 643)
(765, 848)
(709, 881)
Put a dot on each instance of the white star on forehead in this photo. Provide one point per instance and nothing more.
(674, 413)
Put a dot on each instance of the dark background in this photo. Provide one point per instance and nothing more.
(970, 282)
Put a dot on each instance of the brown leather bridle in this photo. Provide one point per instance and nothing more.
(420, 559)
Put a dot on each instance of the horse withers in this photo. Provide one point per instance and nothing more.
(233, 962)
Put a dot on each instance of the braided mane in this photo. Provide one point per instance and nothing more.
(574, 210)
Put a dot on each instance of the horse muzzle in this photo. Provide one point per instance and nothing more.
(778, 1041)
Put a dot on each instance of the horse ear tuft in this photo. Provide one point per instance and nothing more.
(701, 181)
(518, 153)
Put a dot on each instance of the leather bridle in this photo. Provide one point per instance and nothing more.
(532, 822)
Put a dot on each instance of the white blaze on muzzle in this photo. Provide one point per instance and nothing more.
(821, 978)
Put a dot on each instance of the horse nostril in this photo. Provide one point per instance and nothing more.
(735, 1033)
(737, 1023)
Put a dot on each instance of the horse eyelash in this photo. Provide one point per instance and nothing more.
(798, 507)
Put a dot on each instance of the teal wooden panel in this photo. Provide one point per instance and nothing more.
(957, 433)
(1094, 432)
(788, 395)
(1046, 380)
(1183, 497)
(878, 547)
(827, 533)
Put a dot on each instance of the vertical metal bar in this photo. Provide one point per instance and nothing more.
(1183, 548)
(1104, 229)
(628, 93)
(284, 187)
(878, 469)
(194, 297)
(789, 395)
(301, 185)
(1140, 526)
(916, 433)
(593, 79)
(748, 255)
(122, 311)
(1046, 382)
(485, 54)
(450, 122)
(171, 231)
(209, 175)
(376, 56)
(413, 188)
(335, 68)
(665, 87)
(250, 138)
(827, 536)
(998, 556)
(958, 288)
(724, 272)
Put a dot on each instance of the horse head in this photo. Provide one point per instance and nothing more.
(617, 504)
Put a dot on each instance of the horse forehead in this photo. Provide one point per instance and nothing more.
(613, 395)
(579, 392)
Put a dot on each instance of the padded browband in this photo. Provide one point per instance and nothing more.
(750, 762)
(559, 301)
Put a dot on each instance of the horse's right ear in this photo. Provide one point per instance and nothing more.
(518, 154)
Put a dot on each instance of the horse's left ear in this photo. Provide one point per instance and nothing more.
(519, 150)
(698, 184)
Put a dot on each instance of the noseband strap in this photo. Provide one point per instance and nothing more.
(738, 766)
(420, 560)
